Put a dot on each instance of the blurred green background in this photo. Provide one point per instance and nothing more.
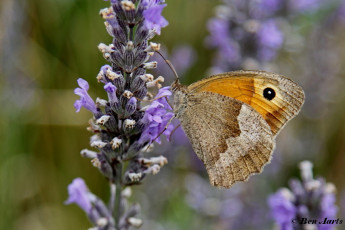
(46, 45)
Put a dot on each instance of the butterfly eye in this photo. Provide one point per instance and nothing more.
(269, 93)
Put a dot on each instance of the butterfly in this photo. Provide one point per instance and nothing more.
(232, 120)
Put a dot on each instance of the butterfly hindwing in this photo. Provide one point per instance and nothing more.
(230, 137)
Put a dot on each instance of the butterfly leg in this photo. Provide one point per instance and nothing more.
(165, 128)
(172, 132)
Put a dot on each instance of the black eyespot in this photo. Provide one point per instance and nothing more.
(269, 93)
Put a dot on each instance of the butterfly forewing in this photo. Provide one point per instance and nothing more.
(250, 87)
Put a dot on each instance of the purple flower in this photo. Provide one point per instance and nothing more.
(265, 8)
(271, 5)
(102, 73)
(229, 50)
(302, 6)
(327, 204)
(157, 117)
(341, 12)
(85, 99)
(219, 29)
(219, 32)
(270, 39)
(111, 90)
(153, 15)
(282, 209)
(309, 198)
(163, 96)
(79, 194)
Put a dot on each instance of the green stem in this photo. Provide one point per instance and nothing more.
(118, 198)
(112, 197)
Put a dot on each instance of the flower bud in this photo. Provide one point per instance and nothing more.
(128, 125)
(98, 144)
(88, 153)
(138, 72)
(147, 77)
(137, 84)
(130, 45)
(116, 30)
(154, 47)
(141, 93)
(135, 177)
(101, 77)
(111, 90)
(109, 29)
(139, 127)
(111, 75)
(102, 222)
(124, 98)
(128, 60)
(131, 107)
(107, 13)
(118, 10)
(103, 166)
(105, 49)
(150, 65)
(135, 222)
(93, 127)
(140, 58)
(116, 57)
(154, 169)
(119, 81)
(116, 143)
(128, 5)
(161, 161)
(101, 102)
(155, 83)
(129, 10)
(103, 119)
(141, 35)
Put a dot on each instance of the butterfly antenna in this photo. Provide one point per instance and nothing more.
(170, 65)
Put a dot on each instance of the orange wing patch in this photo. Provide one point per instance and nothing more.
(248, 89)
(239, 88)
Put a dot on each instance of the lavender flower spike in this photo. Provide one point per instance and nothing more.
(85, 99)
(121, 127)
(309, 199)
(248, 34)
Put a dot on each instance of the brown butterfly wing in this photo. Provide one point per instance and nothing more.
(231, 138)
(248, 87)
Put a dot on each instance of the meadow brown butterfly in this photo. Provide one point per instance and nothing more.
(232, 120)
